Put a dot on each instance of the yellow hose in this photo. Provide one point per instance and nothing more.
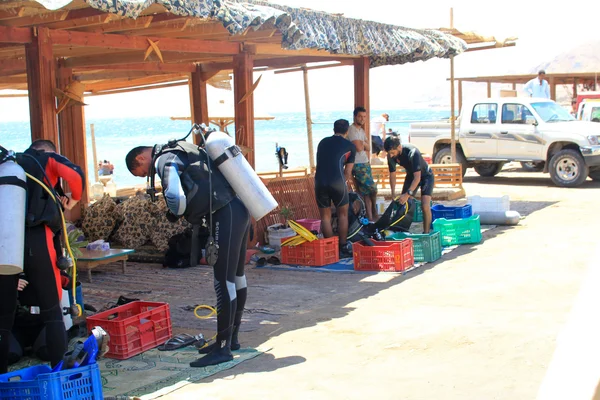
(74, 278)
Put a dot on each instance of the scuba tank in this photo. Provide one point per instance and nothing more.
(13, 199)
(228, 157)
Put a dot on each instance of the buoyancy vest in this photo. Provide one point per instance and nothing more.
(41, 208)
(195, 182)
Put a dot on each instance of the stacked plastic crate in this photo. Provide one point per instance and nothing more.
(456, 225)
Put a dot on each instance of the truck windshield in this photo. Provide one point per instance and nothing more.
(551, 112)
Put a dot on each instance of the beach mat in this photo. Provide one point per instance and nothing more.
(153, 373)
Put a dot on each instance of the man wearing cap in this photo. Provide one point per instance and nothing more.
(538, 87)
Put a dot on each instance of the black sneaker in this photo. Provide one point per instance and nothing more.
(345, 251)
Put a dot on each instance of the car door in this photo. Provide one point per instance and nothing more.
(478, 136)
(518, 138)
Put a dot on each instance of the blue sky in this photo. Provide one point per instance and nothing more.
(543, 31)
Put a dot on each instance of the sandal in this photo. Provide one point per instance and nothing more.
(274, 260)
(261, 262)
(179, 341)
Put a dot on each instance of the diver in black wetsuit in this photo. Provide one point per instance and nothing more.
(184, 173)
(335, 158)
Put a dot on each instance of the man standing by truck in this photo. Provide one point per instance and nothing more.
(418, 175)
(538, 87)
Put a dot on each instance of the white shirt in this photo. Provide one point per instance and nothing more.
(356, 133)
(378, 126)
(535, 89)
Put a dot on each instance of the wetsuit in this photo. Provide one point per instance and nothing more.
(333, 154)
(42, 222)
(184, 175)
(411, 160)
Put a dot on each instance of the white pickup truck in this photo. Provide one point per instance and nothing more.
(492, 132)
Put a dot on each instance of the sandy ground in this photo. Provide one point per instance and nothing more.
(480, 324)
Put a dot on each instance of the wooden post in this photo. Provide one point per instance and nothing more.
(361, 91)
(311, 151)
(72, 139)
(94, 154)
(198, 100)
(552, 88)
(452, 111)
(40, 83)
(244, 111)
(459, 95)
(489, 89)
(574, 88)
(514, 86)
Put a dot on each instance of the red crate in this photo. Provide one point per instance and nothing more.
(384, 256)
(315, 254)
(134, 327)
(310, 224)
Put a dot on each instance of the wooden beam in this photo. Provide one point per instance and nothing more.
(259, 34)
(39, 19)
(12, 66)
(144, 66)
(111, 75)
(40, 82)
(71, 124)
(460, 93)
(489, 47)
(13, 79)
(161, 27)
(276, 49)
(276, 62)
(9, 13)
(128, 83)
(198, 99)
(489, 89)
(138, 89)
(361, 90)
(120, 25)
(137, 57)
(84, 17)
(552, 84)
(15, 35)
(244, 111)
(111, 41)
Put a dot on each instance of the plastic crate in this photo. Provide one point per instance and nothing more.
(134, 327)
(441, 211)
(310, 224)
(489, 204)
(458, 231)
(315, 254)
(427, 247)
(418, 216)
(384, 256)
(40, 383)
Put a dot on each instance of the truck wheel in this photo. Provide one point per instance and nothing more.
(568, 169)
(489, 169)
(444, 156)
(595, 174)
(533, 166)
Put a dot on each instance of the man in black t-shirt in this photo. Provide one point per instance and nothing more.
(418, 174)
(335, 158)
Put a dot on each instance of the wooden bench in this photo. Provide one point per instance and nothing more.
(91, 259)
(446, 175)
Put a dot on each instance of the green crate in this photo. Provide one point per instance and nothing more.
(427, 247)
(458, 231)
(418, 215)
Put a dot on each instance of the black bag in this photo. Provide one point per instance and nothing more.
(180, 249)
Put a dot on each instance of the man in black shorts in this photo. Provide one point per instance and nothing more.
(418, 174)
(335, 158)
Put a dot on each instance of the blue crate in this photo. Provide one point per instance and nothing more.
(40, 383)
(441, 211)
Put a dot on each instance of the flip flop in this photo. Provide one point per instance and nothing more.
(261, 262)
(274, 260)
(179, 341)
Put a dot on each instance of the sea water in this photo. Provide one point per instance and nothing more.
(115, 137)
